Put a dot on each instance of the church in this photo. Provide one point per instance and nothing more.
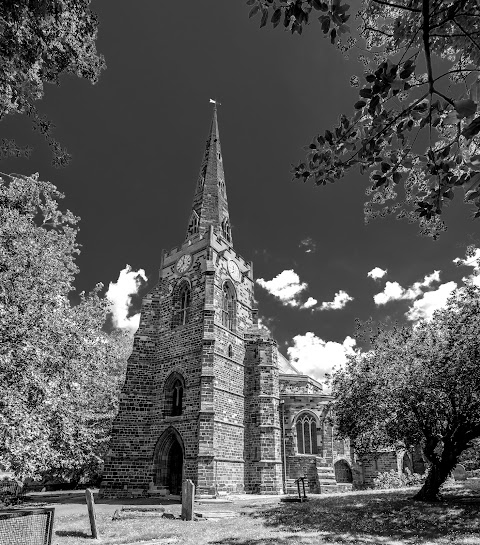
(207, 394)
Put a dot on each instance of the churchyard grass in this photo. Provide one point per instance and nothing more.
(361, 518)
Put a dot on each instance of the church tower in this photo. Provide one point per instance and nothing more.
(200, 399)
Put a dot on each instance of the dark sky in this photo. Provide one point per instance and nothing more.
(137, 139)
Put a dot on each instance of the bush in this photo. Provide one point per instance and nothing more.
(394, 479)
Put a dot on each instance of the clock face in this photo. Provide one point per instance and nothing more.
(234, 271)
(184, 263)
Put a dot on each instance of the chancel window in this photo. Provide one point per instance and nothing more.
(228, 307)
(182, 301)
(306, 434)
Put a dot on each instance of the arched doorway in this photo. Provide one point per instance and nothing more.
(168, 462)
(343, 473)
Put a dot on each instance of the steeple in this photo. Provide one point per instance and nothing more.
(210, 206)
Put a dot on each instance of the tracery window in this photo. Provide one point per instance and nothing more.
(228, 306)
(181, 304)
(306, 434)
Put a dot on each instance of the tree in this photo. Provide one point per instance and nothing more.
(40, 41)
(417, 385)
(415, 128)
(59, 372)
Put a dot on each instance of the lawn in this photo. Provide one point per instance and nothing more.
(361, 518)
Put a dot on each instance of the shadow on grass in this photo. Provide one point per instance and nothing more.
(373, 518)
(72, 533)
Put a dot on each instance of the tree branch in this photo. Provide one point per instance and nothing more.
(467, 35)
(399, 6)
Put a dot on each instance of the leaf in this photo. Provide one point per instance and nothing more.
(250, 2)
(449, 194)
(264, 20)
(333, 35)
(253, 11)
(397, 177)
(465, 108)
(366, 92)
(359, 104)
(277, 14)
(472, 129)
(473, 183)
(325, 23)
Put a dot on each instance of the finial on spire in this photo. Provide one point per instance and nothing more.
(212, 101)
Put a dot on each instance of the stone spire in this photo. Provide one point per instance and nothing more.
(210, 206)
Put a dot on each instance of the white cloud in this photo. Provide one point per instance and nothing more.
(431, 301)
(393, 291)
(377, 273)
(119, 295)
(339, 301)
(286, 286)
(308, 244)
(471, 260)
(315, 357)
(310, 302)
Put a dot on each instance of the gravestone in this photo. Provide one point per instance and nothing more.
(459, 473)
(188, 495)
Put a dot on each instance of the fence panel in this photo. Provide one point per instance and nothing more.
(26, 526)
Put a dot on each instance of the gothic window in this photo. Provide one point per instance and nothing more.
(174, 389)
(226, 231)
(228, 306)
(181, 304)
(230, 351)
(306, 434)
(194, 223)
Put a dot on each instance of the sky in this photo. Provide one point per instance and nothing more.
(137, 139)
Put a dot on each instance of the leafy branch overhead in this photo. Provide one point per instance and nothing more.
(40, 41)
(415, 127)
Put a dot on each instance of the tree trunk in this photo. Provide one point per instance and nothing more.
(439, 471)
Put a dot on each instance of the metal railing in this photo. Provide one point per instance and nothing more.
(26, 526)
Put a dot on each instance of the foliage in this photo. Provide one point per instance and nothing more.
(394, 479)
(417, 386)
(416, 124)
(470, 458)
(59, 373)
(40, 41)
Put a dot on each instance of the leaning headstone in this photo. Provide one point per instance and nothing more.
(188, 495)
(459, 473)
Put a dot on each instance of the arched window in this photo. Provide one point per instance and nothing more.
(228, 306)
(181, 304)
(230, 351)
(194, 224)
(226, 231)
(306, 434)
(174, 393)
